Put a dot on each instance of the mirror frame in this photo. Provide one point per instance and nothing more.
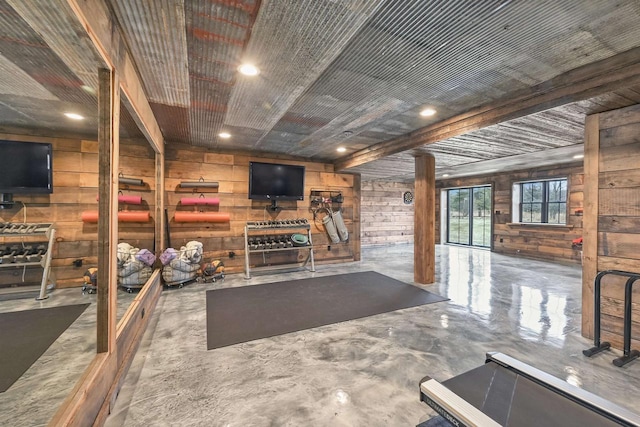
(90, 400)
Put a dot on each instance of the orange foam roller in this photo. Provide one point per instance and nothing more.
(130, 200)
(201, 217)
(209, 201)
(92, 216)
(133, 216)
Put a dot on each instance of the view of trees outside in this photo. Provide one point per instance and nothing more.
(470, 209)
(532, 202)
(459, 216)
(482, 216)
(557, 202)
(544, 202)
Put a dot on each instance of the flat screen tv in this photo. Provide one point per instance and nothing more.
(25, 168)
(270, 181)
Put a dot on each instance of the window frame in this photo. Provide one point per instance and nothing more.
(518, 201)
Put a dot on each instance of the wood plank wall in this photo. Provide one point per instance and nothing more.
(75, 188)
(615, 177)
(231, 171)
(386, 219)
(542, 242)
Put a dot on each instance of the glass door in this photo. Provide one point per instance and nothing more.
(469, 216)
(481, 218)
(458, 215)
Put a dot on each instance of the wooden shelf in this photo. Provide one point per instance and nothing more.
(539, 225)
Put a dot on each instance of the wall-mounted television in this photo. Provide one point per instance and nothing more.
(271, 181)
(25, 168)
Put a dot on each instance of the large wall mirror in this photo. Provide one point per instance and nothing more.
(49, 121)
(137, 250)
(48, 331)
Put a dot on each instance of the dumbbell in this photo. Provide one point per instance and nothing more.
(9, 254)
(36, 256)
(21, 256)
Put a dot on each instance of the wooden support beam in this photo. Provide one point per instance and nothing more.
(97, 20)
(159, 215)
(619, 71)
(590, 220)
(424, 244)
(357, 202)
(108, 165)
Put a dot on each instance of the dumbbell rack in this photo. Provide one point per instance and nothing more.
(270, 242)
(11, 232)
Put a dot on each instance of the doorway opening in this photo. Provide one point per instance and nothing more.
(468, 215)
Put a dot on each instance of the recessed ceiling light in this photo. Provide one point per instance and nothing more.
(427, 112)
(249, 70)
(578, 156)
(445, 175)
(224, 135)
(88, 89)
(341, 149)
(74, 116)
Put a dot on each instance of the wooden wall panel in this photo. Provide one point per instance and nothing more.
(613, 218)
(386, 219)
(533, 241)
(75, 188)
(231, 171)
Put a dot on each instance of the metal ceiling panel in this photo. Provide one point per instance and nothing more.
(173, 122)
(155, 34)
(46, 115)
(217, 32)
(292, 43)
(53, 86)
(14, 81)
(334, 72)
(55, 23)
(462, 54)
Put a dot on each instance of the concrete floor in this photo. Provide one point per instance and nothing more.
(362, 372)
(366, 371)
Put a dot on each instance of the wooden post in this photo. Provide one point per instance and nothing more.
(108, 158)
(590, 220)
(159, 215)
(357, 199)
(424, 246)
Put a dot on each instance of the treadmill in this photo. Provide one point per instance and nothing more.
(507, 392)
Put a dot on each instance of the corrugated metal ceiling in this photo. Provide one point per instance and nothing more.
(333, 72)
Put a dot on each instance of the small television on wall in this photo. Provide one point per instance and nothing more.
(271, 181)
(25, 168)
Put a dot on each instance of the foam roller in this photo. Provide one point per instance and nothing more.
(201, 217)
(130, 181)
(339, 223)
(92, 216)
(331, 228)
(198, 184)
(190, 201)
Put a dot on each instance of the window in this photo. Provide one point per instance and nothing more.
(541, 202)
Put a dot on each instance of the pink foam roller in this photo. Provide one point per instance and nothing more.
(209, 201)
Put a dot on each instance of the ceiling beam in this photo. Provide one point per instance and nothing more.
(97, 20)
(618, 71)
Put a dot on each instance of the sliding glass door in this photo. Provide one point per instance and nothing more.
(469, 216)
